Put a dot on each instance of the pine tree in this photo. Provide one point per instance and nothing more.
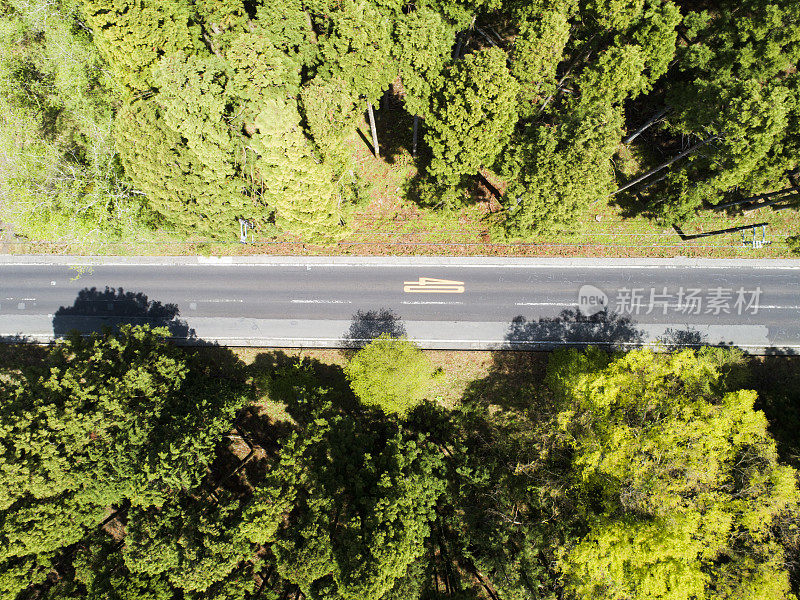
(104, 420)
(737, 84)
(380, 485)
(295, 183)
(472, 117)
(133, 34)
(560, 161)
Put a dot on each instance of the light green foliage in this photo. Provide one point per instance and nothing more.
(288, 26)
(357, 48)
(197, 147)
(331, 109)
(472, 116)
(538, 50)
(295, 183)
(392, 374)
(612, 14)
(59, 177)
(133, 34)
(685, 474)
(104, 420)
(259, 68)
(193, 104)
(220, 16)
(178, 185)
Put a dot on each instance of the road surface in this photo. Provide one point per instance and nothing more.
(469, 303)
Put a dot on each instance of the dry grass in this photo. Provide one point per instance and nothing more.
(459, 368)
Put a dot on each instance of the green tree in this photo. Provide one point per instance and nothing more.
(560, 159)
(738, 88)
(392, 374)
(295, 182)
(194, 543)
(537, 52)
(59, 177)
(104, 420)
(472, 116)
(423, 44)
(684, 474)
(356, 47)
(366, 499)
(133, 34)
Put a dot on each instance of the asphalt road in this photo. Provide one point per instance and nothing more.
(449, 303)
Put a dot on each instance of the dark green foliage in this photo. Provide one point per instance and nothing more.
(560, 162)
(635, 475)
(472, 116)
(368, 494)
(738, 82)
(193, 543)
(104, 420)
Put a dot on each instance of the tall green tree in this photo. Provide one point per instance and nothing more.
(59, 177)
(560, 159)
(133, 34)
(685, 475)
(194, 543)
(737, 85)
(104, 420)
(472, 116)
(366, 495)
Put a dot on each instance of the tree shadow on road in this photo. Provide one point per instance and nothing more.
(370, 324)
(94, 310)
(679, 339)
(573, 328)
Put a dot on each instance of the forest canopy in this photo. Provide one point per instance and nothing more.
(132, 469)
(195, 116)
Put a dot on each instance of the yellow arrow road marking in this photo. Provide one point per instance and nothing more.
(429, 285)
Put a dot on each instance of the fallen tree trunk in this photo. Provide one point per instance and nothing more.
(683, 154)
(657, 118)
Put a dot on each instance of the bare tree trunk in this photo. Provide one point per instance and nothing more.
(463, 38)
(694, 148)
(460, 40)
(486, 35)
(416, 134)
(374, 130)
(753, 199)
(652, 121)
